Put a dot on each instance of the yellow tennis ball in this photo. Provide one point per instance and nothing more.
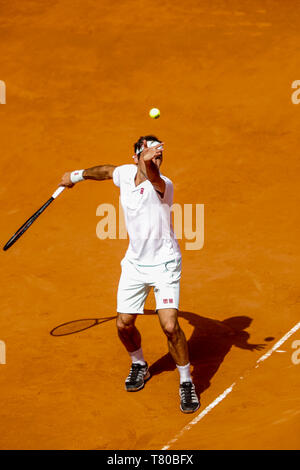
(154, 113)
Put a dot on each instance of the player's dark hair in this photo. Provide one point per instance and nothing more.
(139, 143)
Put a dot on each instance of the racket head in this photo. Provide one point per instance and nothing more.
(26, 225)
(18, 234)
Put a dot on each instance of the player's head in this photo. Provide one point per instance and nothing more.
(139, 146)
(239, 323)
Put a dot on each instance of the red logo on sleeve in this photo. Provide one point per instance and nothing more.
(165, 301)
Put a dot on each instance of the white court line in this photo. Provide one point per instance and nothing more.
(229, 389)
(279, 343)
(200, 416)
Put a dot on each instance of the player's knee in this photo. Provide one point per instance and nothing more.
(124, 325)
(171, 329)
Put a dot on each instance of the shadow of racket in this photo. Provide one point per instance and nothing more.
(76, 326)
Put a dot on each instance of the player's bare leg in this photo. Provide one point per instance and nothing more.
(128, 332)
(177, 344)
(131, 338)
(179, 351)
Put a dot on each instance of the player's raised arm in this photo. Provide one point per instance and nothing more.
(100, 172)
(148, 159)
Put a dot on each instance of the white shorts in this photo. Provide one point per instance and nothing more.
(136, 282)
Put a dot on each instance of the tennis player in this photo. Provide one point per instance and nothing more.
(153, 259)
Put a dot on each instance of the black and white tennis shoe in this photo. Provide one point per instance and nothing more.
(137, 377)
(189, 402)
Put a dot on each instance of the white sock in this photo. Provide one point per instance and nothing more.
(185, 373)
(137, 357)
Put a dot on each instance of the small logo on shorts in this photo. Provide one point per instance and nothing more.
(167, 301)
(142, 191)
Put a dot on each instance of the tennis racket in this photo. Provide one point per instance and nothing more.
(31, 219)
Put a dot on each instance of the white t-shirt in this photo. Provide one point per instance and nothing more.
(148, 219)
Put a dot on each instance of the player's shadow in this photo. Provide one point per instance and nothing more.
(208, 345)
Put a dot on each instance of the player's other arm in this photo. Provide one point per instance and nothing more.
(99, 173)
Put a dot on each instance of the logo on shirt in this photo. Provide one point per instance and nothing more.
(142, 191)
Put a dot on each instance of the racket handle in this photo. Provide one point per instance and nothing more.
(58, 191)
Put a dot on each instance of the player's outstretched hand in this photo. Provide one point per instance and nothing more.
(151, 152)
(66, 180)
(256, 347)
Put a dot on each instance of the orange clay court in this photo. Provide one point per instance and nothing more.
(81, 77)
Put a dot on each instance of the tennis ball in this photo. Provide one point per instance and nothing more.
(154, 113)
